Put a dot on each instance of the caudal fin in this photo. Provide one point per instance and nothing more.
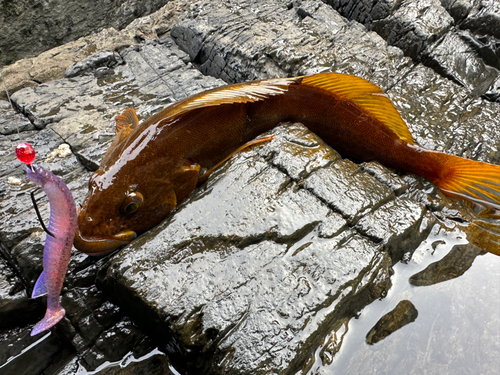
(51, 318)
(472, 180)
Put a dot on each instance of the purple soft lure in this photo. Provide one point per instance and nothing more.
(57, 250)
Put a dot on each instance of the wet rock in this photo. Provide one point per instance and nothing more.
(395, 21)
(345, 187)
(454, 58)
(484, 18)
(453, 265)
(401, 225)
(334, 342)
(237, 44)
(31, 27)
(113, 344)
(155, 365)
(486, 47)
(458, 9)
(297, 152)
(155, 69)
(403, 314)
(18, 355)
(52, 64)
(443, 117)
(16, 307)
(424, 31)
(154, 362)
(107, 59)
(399, 29)
(391, 179)
(12, 122)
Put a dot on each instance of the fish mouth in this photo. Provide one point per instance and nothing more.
(103, 244)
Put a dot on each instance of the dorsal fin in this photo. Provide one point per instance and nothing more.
(244, 93)
(365, 94)
(125, 124)
(127, 119)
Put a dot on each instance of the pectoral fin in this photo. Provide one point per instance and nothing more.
(40, 288)
(186, 179)
(204, 176)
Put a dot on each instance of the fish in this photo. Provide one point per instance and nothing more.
(58, 244)
(152, 166)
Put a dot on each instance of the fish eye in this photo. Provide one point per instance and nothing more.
(132, 202)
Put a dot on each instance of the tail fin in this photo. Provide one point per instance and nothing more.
(472, 180)
(484, 234)
(51, 318)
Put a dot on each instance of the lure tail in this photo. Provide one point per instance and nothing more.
(472, 180)
(52, 317)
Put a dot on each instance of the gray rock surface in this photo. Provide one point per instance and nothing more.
(261, 269)
(447, 37)
(31, 27)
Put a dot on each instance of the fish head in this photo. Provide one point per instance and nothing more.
(119, 206)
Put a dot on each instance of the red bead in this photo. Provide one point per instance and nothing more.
(25, 153)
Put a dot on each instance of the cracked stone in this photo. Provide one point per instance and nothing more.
(347, 189)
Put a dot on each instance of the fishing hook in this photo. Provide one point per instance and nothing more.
(38, 214)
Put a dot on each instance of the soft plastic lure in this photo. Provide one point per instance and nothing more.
(60, 235)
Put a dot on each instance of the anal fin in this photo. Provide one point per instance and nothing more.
(186, 179)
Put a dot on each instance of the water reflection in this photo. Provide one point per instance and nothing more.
(152, 362)
(457, 329)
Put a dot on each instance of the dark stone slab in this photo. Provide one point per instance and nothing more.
(16, 308)
(484, 18)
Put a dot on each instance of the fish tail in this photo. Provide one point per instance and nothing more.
(51, 318)
(469, 179)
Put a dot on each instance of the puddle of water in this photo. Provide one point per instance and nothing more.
(124, 362)
(457, 330)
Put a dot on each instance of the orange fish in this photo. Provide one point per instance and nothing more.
(152, 166)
